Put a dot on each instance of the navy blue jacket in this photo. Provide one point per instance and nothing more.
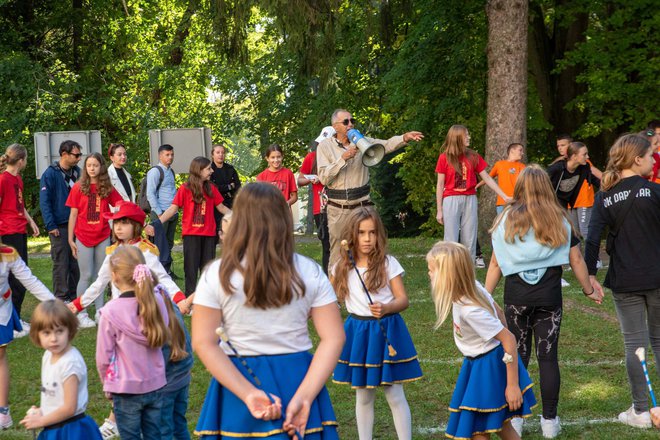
(53, 194)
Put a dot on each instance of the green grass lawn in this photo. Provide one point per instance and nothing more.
(594, 383)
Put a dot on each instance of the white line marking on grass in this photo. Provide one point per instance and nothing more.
(531, 422)
(566, 363)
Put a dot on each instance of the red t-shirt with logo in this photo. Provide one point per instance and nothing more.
(198, 218)
(283, 179)
(91, 226)
(12, 207)
(306, 168)
(465, 183)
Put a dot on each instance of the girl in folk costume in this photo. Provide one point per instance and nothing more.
(132, 331)
(262, 371)
(63, 377)
(11, 263)
(278, 175)
(493, 385)
(532, 239)
(198, 198)
(14, 216)
(378, 351)
(89, 231)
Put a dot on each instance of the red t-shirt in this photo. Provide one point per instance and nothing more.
(655, 174)
(198, 218)
(306, 168)
(12, 207)
(464, 184)
(91, 226)
(283, 179)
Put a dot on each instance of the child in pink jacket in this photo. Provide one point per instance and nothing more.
(132, 330)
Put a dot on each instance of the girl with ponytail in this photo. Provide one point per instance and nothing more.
(132, 331)
(629, 206)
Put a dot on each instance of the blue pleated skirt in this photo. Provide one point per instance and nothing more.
(478, 405)
(365, 361)
(84, 428)
(224, 415)
(7, 331)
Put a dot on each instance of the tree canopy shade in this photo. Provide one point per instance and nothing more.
(262, 71)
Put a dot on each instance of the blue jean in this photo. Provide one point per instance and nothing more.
(138, 415)
(173, 423)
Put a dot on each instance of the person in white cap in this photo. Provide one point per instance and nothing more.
(308, 174)
(346, 179)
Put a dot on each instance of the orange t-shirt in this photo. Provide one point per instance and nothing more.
(586, 196)
(507, 173)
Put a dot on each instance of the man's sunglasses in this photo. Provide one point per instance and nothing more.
(76, 155)
(346, 121)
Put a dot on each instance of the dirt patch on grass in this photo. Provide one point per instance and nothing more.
(571, 304)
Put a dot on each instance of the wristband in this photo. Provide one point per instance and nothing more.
(507, 358)
(593, 289)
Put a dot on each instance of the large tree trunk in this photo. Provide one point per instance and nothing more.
(507, 89)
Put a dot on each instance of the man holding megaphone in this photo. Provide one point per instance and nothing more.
(342, 161)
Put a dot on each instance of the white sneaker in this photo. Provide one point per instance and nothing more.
(97, 315)
(479, 262)
(564, 283)
(550, 427)
(630, 417)
(84, 321)
(599, 264)
(517, 424)
(25, 325)
(5, 421)
(109, 430)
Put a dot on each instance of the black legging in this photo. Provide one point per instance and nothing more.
(544, 323)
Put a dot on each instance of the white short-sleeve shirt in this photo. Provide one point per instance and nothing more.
(53, 376)
(475, 327)
(357, 302)
(253, 331)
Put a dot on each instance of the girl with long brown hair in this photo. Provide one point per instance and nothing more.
(198, 198)
(15, 217)
(257, 294)
(457, 168)
(532, 238)
(132, 331)
(374, 326)
(89, 231)
(629, 206)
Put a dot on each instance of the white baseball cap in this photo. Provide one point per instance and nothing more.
(325, 133)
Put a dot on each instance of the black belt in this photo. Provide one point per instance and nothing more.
(472, 358)
(356, 205)
(368, 318)
(348, 194)
(64, 422)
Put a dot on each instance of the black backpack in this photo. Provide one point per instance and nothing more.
(142, 200)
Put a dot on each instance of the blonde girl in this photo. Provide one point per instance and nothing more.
(632, 243)
(263, 294)
(12, 264)
(277, 175)
(457, 168)
(14, 217)
(493, 385)
(61, 412)
(532, 239)
(378, 351)
(132, 331)
(89, 231)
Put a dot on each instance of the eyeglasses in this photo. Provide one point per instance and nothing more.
(76, 155)
(346, 121)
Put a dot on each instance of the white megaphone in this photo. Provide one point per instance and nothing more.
(372, 154)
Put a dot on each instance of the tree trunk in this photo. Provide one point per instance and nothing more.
(507, 89)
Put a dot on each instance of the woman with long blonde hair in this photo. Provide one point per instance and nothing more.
(532, 238)
(629, 206)
(457, 168)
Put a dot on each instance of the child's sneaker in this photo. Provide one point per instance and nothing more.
(564, 283)
(84, 321)
(5, 421)
(109, 430)
(479, 262)
(550, 427)
(517, 424)
(630, 417)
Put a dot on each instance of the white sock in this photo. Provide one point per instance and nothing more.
(364, 412)
(396, 398)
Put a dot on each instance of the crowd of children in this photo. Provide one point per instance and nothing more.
(252, 305)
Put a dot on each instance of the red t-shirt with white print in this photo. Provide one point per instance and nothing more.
(91, 226)
(283, 179)
(198, 218)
